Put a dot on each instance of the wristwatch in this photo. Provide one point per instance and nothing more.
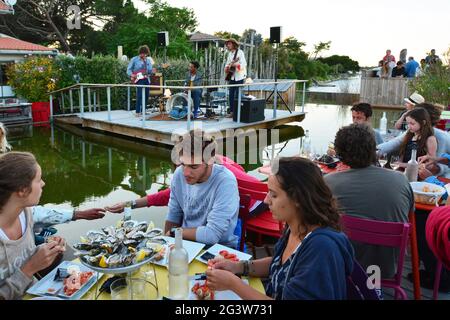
(131, 204)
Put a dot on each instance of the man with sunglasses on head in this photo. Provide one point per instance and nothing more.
(204, 197)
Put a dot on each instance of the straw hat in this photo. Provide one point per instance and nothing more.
(233, 41)
(415, 98)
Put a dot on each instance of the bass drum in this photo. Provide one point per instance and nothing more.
(179, 99)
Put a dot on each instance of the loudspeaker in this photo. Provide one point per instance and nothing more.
(251, 111)
(275, 35)
(163, 39)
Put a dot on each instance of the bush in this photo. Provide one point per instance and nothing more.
(33, 78)
(434, 84)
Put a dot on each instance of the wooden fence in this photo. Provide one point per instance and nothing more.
(384, 92)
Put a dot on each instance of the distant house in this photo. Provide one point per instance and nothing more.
(5, 9)
(203, 41)
(13, 50)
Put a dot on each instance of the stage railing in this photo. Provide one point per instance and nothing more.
(96, 101)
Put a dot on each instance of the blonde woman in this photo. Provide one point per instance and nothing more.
(4, 145)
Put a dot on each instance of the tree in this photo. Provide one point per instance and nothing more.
(226, 35)
(321, 46)
(343, 63)
(247, 37)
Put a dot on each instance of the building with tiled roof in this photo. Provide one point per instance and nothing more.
(203, 40)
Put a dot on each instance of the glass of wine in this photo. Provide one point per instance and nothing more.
(395, 162)
(382, 159)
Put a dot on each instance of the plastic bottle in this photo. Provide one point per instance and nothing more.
(383, 124)
(412, 168)
(178, 269)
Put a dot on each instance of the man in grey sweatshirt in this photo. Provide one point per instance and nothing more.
(204, 198)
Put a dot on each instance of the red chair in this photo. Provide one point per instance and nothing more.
(389, 234)
(262, 224)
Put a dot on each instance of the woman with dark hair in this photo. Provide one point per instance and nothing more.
(313, 258)
(420, 135)
(20, 189)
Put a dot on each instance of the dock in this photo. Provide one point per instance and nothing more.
(160, 130)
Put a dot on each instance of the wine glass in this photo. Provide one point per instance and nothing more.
(395, 162)
(382, 159)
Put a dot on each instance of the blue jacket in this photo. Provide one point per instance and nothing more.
(320, 266)
(136, 64)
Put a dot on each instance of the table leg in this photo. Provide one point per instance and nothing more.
(414, 256)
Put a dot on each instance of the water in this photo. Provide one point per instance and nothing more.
(350, 85)
(84, 169)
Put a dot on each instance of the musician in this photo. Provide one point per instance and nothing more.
(236, 66)
(139, 70)
(194, 79)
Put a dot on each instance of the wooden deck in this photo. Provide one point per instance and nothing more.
(160, 131)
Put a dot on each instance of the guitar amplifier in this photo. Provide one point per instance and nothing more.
(251, 111)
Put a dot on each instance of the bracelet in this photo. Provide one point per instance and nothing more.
(245, 272)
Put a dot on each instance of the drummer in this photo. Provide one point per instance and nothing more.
(194, 79)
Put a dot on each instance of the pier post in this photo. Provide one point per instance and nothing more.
(89, 99)
(303, 98)
(143, 107)
(128, 98)
(108, 92)
(275, 100)
(189, 110)
(71, 100)
(62, 101)
(51, 108)
(95, 100)
(82, 100)
(238, 105)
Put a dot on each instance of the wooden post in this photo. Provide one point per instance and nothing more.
(95, 100)
(89, 99)
(143, 107)
(303, 98)
(71, 100)
(108, 92)
(82, 101)
(51, 108)
(128, 98)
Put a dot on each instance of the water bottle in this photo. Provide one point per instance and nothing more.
(178, 269)
(306, 150)
(412, 168)
(383, 124)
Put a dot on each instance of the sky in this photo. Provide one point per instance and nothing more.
(361, 29)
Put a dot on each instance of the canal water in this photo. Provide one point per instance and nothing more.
(84, 169)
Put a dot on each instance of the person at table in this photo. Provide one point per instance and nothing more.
(204, 197)
(410, 102)
(443, 138)
(369, 192)
(420, 135)
(21, 188)
(194, 79)
(161, 198)
(313, 258)
(139, 70)
(362, 114)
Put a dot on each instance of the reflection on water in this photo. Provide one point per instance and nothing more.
(84, 169)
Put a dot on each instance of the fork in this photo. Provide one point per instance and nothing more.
(46, 235)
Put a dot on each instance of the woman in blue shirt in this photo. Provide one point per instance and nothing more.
(312, 259)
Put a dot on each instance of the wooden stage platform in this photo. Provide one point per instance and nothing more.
(160, 131)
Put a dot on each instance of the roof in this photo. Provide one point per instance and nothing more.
(199, 37)
(5, 8)
(281, 87)
(13, 44)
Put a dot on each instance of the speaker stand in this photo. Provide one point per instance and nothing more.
(276, 80)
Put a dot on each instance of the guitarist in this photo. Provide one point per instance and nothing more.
(235, 70)
(139, 70)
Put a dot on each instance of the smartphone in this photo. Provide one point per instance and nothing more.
(207, 256)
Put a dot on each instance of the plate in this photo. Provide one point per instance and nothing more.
(215, 249)
(41, 287)
(192, 248)
(218, 295)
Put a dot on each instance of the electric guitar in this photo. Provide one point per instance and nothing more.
(139, 75)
